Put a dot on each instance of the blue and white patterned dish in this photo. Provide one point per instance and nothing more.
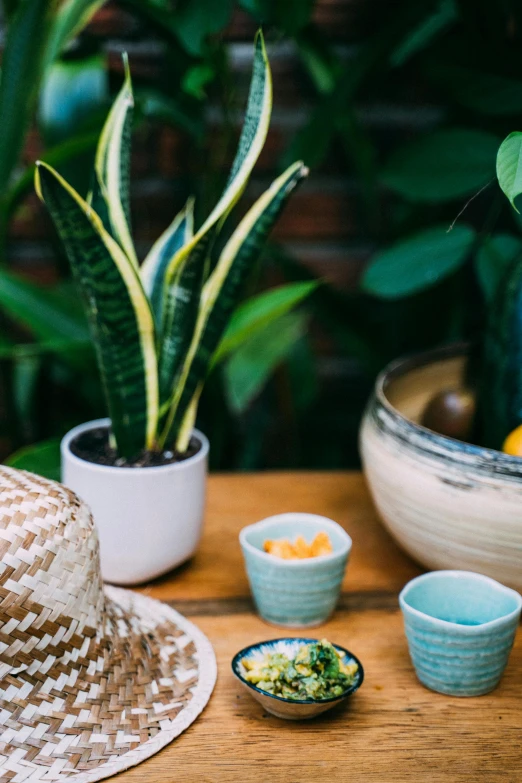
(460, 628)
(295, 593)
(278, 705)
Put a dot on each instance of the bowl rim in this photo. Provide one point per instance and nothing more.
(342, 551)
(238, 657)
(94, 467)
(403, 365)
(469, 630)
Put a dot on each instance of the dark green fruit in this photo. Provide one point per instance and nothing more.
(450, 412)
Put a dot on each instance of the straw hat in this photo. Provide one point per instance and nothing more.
(92, 680)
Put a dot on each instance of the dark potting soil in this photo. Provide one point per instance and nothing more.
(93, 446)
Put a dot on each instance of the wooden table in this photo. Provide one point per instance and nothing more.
(393, 729)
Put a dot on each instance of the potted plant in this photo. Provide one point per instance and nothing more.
(156, 328)
(440, 440)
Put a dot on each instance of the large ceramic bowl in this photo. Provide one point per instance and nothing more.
(448, 504)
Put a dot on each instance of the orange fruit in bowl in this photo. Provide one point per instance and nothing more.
(513, 443)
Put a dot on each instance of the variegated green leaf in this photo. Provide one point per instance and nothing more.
(252, 139)
(186, 270)
(254, 131)
(112, 165)
(153, 269)
(120, 318)
(180, 318)
(189, 420)
(222, 290)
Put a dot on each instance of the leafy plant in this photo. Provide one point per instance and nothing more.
(500, 382)
(156, 328)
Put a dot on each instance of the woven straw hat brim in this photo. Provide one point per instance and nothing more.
(87, 722)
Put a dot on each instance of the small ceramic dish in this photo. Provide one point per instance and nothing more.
(460, 628)
(290, 709)
(295, 593)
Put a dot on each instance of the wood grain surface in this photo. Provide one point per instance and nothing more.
(393, 730)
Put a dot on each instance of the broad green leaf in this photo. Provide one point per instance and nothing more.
(42, 458)
(154, 267)
(312, 142)
(293, 15)
(493, 260)
(71, 17)
(318, 60)
(22, 64)
(24, 390)
(9, 7)
(254, 315)
(155, 106)
(73, 90)
(40, 310)
(61, 154)
(290, 16)
(112, 165)
(250, 367)
(447, 164)
(509, 166)
(196, 79)
(58, 328)
(195, 21)
(444, 15)
(418, 262)
(493, 94)
(303, 375)
(222, 291)
(121, 321)
(159, 12)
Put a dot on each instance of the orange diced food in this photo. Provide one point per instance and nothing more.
(300, 549)
(321, 545)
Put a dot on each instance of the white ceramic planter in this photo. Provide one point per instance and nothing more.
(149, 520)
(449, 504)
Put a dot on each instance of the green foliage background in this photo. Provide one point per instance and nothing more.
(429, 279)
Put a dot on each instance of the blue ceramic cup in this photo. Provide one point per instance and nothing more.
(460, 628)
(295, 593)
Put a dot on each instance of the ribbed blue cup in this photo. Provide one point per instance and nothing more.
(295, 593)
(460, 628)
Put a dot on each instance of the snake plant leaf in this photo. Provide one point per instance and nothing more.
(112, 165)
(180, 318)
(509, 166)
(120, 317)
(253, 134)
(222, 290)
(154, 267)
(187, 268)
(42, 458)
(251, 141)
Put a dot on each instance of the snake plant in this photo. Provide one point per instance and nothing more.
(157, 326)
